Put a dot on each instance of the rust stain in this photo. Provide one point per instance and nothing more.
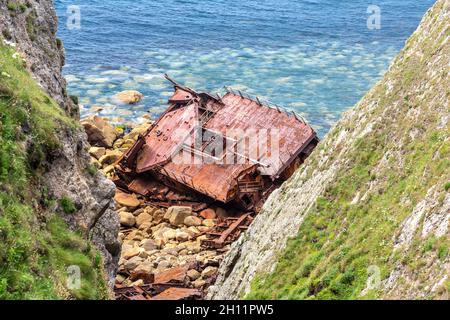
(173, 275)
(178, 294)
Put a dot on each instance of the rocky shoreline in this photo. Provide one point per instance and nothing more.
(156, 241)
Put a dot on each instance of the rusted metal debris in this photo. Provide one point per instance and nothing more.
(155, 168)
(167, 285)
(156, 292)
(166, 166)
(173, 275)
(227, 231)
(178, 294)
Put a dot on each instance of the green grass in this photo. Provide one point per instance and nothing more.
(68, 205)
(92, 169)
(447, 186)
(15, 6)
(36, 245)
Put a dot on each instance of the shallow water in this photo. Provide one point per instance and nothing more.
(315, 57)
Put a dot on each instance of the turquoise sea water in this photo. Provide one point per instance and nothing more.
(315, 57)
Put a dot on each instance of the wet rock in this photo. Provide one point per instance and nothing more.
(127, 200)
(99, 131)
(192, 221)
(129, 96)
(208, 214)
(177, 214)
(193, 274)
(209, 272)
(97, 152)
(126, 219)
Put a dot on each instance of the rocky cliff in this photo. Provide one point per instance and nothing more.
(367, 215)
(81, 196)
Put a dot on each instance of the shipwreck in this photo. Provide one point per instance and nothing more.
(232, 149)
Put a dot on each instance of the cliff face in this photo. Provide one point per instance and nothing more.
(30, 26)
(367, 215)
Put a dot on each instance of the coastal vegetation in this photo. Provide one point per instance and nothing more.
(37, 246)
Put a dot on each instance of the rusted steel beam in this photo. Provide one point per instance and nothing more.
(227, 231)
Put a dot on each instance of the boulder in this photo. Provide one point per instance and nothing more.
(129, 96)
(127, 219)
(160, 243)
(193, 274)
(134, 134)
(209, 272)
(208, 214)
(97, 152)
(149, 244)
(182, 236)
(120, 278)
(99, 131)
(132, 263)
(193, 231)
(145, 267)
(138, 212)
(127, 200)
(108, 169)
(198, 283)
(130, 253)
(163, 265)
(177, 214)
(209, 223)
(143, 218)
(192, 221)
(169, 235)
(110, 157)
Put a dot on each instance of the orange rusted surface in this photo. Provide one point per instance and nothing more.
(206, 144)
(178, 294)
(174, 275)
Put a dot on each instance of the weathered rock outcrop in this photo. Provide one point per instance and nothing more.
(368, 212)
(31, 25)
